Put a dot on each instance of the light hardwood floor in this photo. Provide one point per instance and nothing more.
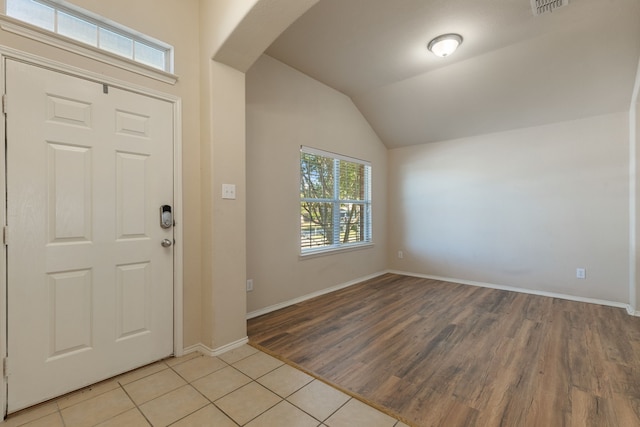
(444, 354)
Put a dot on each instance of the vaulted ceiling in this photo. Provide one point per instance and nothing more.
(512, 70)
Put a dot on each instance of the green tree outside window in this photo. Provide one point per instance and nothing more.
(335, 201)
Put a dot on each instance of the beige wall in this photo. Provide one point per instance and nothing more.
(223, 249)
(250, 26)
(634, 194)
(231, 31)
(523, 208)
(223, 302)
(175, 23)
(286, 109)
(635, 287)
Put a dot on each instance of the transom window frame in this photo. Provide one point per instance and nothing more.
(54, 38)
(336, 201)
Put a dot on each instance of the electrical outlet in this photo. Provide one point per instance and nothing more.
(249, 285)
(581, 273)
(400, 254)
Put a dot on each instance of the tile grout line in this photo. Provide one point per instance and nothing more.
(299, 408)
(352, 395)
(64, 423)
(282, 399)
(59, 410)
(207, 399)
(134, 403)
(122, 387)
(189, 383)
(341, 406)
(253, 380)
(286, 399)
(261, 413)
(172, 367)
(200, 393)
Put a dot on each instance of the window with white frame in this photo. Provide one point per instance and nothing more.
(84, 27)
(335, 201)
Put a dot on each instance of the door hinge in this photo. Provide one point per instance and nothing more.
(5, 367)
(4, 104)
(5, 235)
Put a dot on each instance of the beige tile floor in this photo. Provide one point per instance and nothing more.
(243, 387)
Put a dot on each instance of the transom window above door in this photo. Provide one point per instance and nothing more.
(82, 26)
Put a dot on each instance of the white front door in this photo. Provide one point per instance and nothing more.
(90, 286)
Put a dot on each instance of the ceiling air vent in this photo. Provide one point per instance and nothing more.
(541, 7)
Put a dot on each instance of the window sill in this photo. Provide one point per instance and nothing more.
(334, 251)
(20, 28)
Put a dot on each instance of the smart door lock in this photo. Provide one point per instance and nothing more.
(166, 217)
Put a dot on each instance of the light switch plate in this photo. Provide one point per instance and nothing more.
(228, 191)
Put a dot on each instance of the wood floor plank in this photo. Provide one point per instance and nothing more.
(444, 354)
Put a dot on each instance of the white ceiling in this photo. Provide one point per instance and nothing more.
(513, 69)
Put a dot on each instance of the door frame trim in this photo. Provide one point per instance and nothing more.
(178, 248)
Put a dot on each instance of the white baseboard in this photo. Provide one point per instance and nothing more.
(284, 304)
(521, 290)
(281, 305)
(203, 349)
(196, 348)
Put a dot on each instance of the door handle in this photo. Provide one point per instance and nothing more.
(166, 243)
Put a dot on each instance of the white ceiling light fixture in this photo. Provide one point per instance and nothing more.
(445, 44)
